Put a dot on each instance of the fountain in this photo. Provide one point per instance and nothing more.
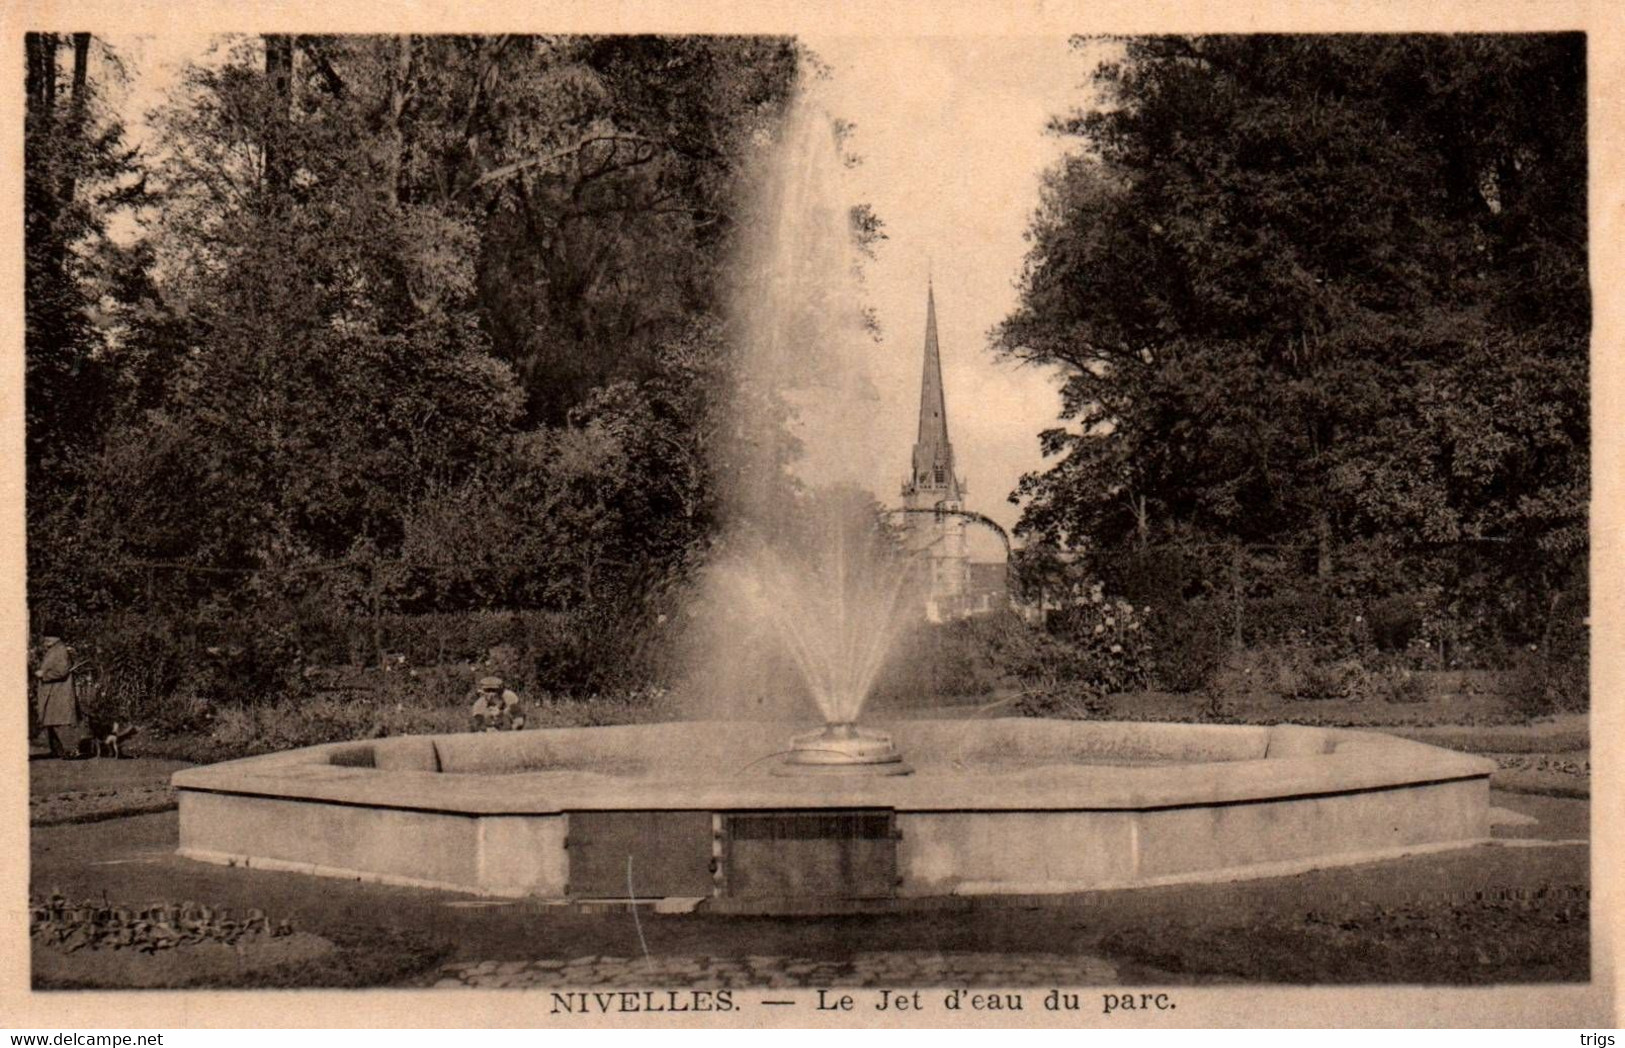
(798, 614)
(815, 559)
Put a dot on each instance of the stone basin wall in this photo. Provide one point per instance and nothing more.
(1009, 805)
(617, 750)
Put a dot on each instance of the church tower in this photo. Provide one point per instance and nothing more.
(933, 484)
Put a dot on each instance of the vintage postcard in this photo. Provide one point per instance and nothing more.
(812, 515)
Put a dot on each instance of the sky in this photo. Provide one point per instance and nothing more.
(951, 131)
(155, 62)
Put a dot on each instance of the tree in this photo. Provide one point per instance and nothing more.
(602, 174)
(1314, 290)
(426, 323)
(334, 367)
(77, 174)
(414, 299)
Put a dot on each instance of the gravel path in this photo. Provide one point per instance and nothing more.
(900, 969)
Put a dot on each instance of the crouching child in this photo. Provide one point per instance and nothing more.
(496, 708)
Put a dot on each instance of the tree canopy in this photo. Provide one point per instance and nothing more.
(1319, 291)
(414, 321)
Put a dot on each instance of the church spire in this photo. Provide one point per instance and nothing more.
(933, 455)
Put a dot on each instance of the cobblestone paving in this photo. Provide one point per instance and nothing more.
(899, 970)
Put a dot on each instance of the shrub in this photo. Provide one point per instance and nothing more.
(261, 663)
(579, 652)
(246, 730)
(1540, 686)
(1295, 672)
(962, 658)
(971, 657)
(1035, 657)
(947, 660)
(587, 652)
(1309, 676)
(1298, 617)
(182, 713)
(1317, 682)
(150, 670)
(137, 663)
(431, 639)
(1110, 641)
(1189, 645)
(1309, 679)
(1238, 675)
(1285, 669)
(1399, 685)
(1395, 622)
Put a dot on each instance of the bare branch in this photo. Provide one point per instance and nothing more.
(313, 49)
(559, 154)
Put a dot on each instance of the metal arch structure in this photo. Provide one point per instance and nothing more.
(980, 518)
(968, 514)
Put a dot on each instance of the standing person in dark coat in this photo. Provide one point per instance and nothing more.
(59, 699)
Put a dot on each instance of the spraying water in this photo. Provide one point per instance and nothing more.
(804, 342)
(826, 598)
(811, 588)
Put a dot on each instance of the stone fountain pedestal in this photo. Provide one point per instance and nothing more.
(843, 749)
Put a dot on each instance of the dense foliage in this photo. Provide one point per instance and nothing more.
(78, 173)
(1322, 308)
(393, 324)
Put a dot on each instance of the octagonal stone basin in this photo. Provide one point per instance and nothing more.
(693, 809)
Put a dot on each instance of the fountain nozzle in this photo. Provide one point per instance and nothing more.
(843, 748)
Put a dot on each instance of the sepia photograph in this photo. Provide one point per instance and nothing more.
(799, 528)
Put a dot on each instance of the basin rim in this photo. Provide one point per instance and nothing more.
(1295, 762)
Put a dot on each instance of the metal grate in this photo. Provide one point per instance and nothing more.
(807, 826)
(668, 852)
(807, 855)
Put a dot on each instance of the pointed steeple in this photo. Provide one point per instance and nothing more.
(933, 471)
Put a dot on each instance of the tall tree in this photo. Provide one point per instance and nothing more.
(430, 294)
(76, 174)
(603, 174)
(1317, 289)
(334, 366)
